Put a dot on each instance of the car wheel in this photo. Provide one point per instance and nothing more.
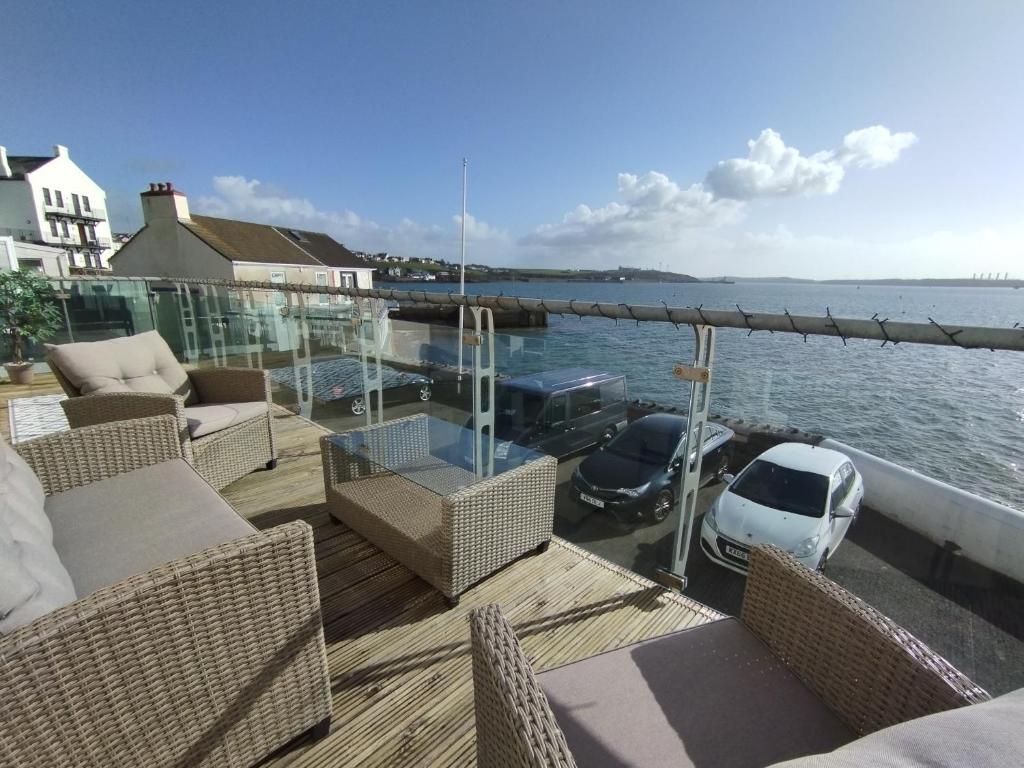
(425, 393)
(823, 562)
(358, 406)
(662, 506)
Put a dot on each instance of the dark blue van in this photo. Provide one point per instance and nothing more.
(561, 411)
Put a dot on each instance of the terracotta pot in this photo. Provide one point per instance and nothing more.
(20, 373)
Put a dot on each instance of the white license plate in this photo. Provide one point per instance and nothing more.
(591, 500)
(736, 552)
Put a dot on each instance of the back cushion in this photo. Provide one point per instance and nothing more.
(33, 581)
(142, 363)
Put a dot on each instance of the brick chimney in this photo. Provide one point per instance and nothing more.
(5, 167)
(163, 201)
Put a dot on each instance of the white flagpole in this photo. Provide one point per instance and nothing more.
(462, 274)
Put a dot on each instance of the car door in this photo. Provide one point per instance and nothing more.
(586, 420)
(554, 437)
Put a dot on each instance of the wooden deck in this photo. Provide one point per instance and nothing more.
(399, 657)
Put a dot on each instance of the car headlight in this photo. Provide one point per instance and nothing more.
(806, 547)
(632, 492)
(711, 518)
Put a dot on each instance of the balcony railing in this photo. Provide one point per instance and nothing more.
(343, 363)
(69, 211)
(59, 241)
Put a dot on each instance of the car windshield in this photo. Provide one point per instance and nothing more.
(782, 488)
(643, 443)
(518, 410)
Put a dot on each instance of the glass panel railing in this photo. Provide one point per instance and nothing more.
(941, 562)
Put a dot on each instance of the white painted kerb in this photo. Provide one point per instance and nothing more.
(991, 534)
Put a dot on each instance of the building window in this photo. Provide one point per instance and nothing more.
(53, 227)
(46, 197)
(85, 202)
(321, 279)
(64, 227)
(30, 265)
(92, 233)
(60, 199)
(278, 277)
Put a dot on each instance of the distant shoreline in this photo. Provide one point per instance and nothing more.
(894, 281)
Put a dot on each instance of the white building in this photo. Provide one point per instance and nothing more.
(177, 243)
(19, 254)
(50, 201)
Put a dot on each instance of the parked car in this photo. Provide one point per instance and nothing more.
(340, 380)
(558, 412)
(796, 496)
(635, 475)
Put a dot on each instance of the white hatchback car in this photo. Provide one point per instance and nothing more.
(796, 496)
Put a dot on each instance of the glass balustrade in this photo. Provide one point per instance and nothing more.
(605, 398)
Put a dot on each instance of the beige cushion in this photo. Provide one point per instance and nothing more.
(208, 418)
(709, 696)
(142, 363)
(131, 523)
(33, 581)
(987, 735)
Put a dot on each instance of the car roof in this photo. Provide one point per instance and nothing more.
(806, 458)
(558, 379)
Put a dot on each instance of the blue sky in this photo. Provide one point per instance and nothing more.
(353, 118)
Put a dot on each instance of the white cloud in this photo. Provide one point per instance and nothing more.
(653, 209)
(873, 147)
(771, 169)
(252, 200)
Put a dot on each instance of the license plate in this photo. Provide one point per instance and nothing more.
(591, 500)
(501, 450)
(736, 552)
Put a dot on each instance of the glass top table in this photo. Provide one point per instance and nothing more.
(430, 452)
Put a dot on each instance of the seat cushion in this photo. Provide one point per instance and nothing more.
(213, 417)
(987, 735)
(33, 581)
(130, 523)
(141, 363)
(709, 696)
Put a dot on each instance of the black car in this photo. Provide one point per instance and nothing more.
(636, 474)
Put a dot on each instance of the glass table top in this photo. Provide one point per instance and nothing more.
(431, 452)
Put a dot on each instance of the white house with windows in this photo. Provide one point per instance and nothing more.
(177, 243)
(48, 200)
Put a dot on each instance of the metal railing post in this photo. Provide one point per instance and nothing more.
(483, 384)
(699, 376)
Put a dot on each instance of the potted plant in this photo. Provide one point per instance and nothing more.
(28, 314)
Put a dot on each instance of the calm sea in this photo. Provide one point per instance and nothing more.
(953, 414)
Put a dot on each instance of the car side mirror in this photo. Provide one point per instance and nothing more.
(728, 477)
(842, 512)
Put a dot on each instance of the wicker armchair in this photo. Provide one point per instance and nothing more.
(220, 456)
(214, 659)
(858, 667)
(450, 541)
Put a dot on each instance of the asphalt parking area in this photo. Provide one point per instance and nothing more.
(970, 615)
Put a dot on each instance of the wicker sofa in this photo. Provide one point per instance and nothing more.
(807, 669)
(223, 414)
(450, 541)
(183, 635)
